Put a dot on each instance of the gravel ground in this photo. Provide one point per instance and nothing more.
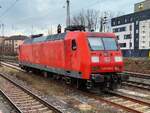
(72, 97)
(140, 80)
(5, 107)
(145, 93)
(140, 65)
(135, 93)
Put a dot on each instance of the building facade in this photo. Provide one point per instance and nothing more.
(141, 6)
(11, 44)
(2, 38)
(133, 33)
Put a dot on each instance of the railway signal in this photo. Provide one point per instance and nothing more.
(59, 28)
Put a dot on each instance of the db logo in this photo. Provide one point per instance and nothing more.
(107, 59)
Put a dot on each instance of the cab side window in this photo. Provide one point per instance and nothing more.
(74, 45)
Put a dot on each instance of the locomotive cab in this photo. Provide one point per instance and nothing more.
(106, 60)
(105, 55)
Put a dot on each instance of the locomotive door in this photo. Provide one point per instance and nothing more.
(74, 61)
(71, 54)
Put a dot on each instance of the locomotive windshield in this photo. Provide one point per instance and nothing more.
(102, 43)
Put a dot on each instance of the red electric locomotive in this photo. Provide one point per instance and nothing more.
(89, 58)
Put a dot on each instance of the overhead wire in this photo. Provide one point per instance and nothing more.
(45, 15)
(8, 9)
(41, 16)
(35, 17)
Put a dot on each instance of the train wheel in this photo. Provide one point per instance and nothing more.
(68, 80)
(27, 69)
(102, 87)
(81, 84)
(45, 74)
(114, 82)
(89, 84)
(113, 86)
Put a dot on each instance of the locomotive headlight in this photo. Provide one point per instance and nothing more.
(118, 59)
(95, 59)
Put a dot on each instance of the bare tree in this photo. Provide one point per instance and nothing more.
(95, 20)
(79, 19)
(88, 18)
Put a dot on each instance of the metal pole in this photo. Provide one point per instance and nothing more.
(68, 13)
(105, 21)
(1, 46)
(0, 50)
(0, 53)
(130, 40)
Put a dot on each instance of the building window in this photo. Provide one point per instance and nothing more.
(114, 23)
(121, 29)
(130, 44)
(137, 22)
(128, 36)
(122, 44)
(117, 37)
(130, 27)
(118, 21)
(125, 20)
(114, 30)
(137, 31)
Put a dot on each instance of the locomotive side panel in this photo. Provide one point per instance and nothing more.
(43, 58)
(54, 53)
(26, 53)
(36, 53)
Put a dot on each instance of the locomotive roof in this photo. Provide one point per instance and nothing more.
(60, 36)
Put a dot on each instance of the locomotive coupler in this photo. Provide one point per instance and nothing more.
(123, 76)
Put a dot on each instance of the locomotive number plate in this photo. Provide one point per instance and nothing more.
(107, 59)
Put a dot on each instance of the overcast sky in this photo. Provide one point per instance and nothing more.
(33, 16)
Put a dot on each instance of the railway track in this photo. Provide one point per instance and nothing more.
(128, 103)
(138, 85)
(121, 101)
(9, 60)
(137, 75)
(11, 63)
(24, 100)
